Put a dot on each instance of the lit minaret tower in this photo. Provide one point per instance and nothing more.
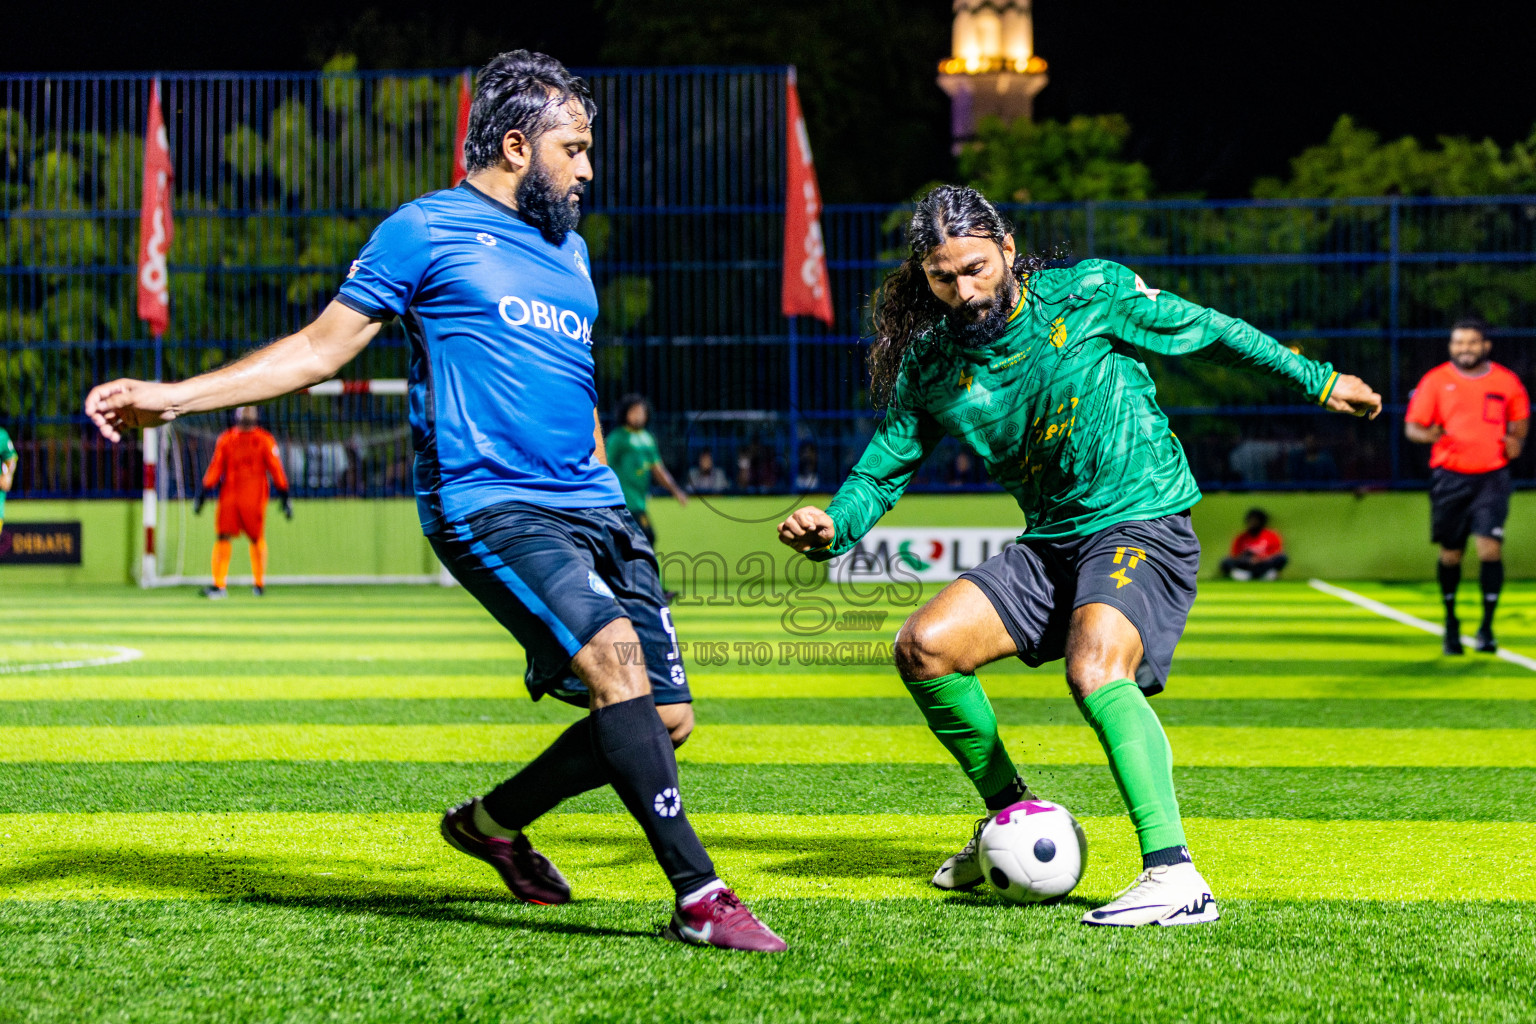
(992, 69)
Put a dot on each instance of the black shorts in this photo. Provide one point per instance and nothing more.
(1463, 504)
(643, 520)
(1145, 569)
(554, 577)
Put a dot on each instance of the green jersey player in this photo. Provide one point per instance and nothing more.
(1039, 372)
(636, 460)
(8, 459)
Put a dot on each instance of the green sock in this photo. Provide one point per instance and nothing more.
(962, 718)
(1141, 761)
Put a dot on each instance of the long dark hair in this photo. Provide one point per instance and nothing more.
(905, 308)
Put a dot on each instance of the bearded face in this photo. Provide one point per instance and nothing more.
(551, 205)
(984, 318)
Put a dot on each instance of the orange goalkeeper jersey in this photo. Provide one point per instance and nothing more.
(242, 461)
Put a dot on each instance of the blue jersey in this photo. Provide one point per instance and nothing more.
(500, 327)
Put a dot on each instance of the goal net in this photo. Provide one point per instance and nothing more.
(346, 450)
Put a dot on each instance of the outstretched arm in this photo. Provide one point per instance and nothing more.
(901, 442)
(312, 355)
(1160, 321)
(660, 475)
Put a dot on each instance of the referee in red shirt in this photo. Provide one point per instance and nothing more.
(1475, 413)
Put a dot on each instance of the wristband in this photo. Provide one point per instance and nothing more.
(1333, 379)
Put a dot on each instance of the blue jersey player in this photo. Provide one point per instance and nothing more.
(493, 286)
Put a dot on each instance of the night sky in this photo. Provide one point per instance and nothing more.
(1218, 92)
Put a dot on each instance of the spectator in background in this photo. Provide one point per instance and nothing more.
(1251, 459)
(962, 472)
(706, 477)
(744, 468)
(807, 479)
(757, 471)
(1311, 463)
(1257, 552)
(8, 460)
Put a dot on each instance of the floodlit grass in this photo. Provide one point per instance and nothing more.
(240, 826)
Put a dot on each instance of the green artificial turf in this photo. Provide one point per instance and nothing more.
(1428, 794)
(961, 959)
(1328, 753)
(1306, 713)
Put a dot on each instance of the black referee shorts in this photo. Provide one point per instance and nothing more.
(1464, 504)
(1146, 570)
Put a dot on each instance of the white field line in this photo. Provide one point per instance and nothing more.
(1386, 611)
(117, 657)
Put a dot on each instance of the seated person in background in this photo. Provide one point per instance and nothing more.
(706, 477)
(1257, 552)
(1311, 463)
(808, 479)
(962, 471)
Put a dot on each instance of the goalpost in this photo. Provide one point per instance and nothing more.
(345, 447)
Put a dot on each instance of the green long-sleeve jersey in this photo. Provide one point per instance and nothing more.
(1061, 408)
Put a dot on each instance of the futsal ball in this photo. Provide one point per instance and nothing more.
(1033, 851)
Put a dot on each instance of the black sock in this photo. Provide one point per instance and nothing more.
(1450, 579)
(568, 767)
(1166, 857)
(642, 768)
(1491, 577)
(1009, 795)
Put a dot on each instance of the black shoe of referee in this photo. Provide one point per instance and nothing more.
(1484, 643)
(1453, 637)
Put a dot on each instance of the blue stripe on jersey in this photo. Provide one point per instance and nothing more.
(501, 378)
(520, 589)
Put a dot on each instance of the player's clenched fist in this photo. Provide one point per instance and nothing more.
(1354, 396)
(120, 404)
(808, 529)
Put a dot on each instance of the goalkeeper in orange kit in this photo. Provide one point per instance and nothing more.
(243, 459)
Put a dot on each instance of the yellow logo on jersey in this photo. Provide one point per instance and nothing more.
(1059, 331)
(965, 380)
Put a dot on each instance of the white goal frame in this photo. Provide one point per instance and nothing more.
(156, 502)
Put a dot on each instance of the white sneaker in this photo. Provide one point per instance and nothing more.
(1167, 895)
(1270, 575)
(963, 870)
(1242, 575)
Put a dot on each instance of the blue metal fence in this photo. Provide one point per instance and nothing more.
(280, 178)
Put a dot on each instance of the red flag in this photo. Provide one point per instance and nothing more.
(805, 254)
(155, 227)
(461, 129)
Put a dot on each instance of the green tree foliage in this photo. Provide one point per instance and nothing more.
(1025, 161)
(364, 145)
(1355, 161)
